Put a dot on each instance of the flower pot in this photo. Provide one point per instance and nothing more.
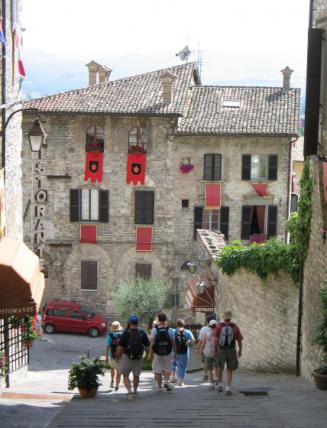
(320, 380)
(88, 393)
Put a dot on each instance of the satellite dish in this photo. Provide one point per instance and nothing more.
(184, 54)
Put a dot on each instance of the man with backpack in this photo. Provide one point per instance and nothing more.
(132, 345)
(228, 334)
(112, 343)
(162, 346)
(183, 339)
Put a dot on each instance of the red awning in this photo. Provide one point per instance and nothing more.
(21, 282)
(200, 302)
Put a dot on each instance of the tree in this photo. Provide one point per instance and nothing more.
(142, 297)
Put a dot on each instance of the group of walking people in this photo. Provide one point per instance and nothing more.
(169, 349)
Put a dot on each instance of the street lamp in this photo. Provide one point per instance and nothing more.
(37, 136)
(201, 286)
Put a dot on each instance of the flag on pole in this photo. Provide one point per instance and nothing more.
(2, 36)
(18, 46)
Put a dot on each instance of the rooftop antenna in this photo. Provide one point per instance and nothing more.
(184, 54)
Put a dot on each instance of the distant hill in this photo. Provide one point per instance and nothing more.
(49, 74)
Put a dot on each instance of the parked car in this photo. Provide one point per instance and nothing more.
(72, 317)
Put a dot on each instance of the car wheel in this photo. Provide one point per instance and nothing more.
(93, 332)
(49, 329)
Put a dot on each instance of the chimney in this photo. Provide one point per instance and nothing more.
(287, 78)
(104, 74)
(167, 82)
(93, 72)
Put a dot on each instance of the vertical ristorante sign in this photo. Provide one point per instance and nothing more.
(40, 198)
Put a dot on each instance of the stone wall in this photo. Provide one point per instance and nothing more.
(266, 312)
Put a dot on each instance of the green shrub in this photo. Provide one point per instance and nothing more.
(85, 373)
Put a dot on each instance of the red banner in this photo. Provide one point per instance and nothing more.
(260, 188)
(144, 238)
(94, 166)
(212, 196)
(324, 166)
(136, 163)
(89, 233)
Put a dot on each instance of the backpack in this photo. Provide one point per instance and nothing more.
(162, 343)
(227, 338)
(181, 342)
(115, 338)
(134, 346)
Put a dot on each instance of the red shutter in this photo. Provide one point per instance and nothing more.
(89, 233)
(212, 196)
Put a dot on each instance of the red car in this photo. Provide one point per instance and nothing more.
(72, 317)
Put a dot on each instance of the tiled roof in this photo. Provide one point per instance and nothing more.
(261, 111)
(141, 94)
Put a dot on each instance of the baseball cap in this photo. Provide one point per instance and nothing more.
(212, 323)
(133, 319)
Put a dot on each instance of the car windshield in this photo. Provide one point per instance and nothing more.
(88, 312)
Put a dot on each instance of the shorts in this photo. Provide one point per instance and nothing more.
(127, 366)
(114, 364)
(161, 363)
(211, 362)
(229, 357)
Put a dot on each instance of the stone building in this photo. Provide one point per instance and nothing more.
(134, 167)
(315, 150)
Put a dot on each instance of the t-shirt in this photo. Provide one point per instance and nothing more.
(109, 340)
(189, 337)
(210, 343)
(124, 338)
(203, 332)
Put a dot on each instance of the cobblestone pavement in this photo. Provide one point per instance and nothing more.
(291, 402)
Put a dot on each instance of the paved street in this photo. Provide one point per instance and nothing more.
(43, 401)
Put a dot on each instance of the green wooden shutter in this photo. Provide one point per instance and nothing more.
(272, 167)
(224, 222)
(207, 167)
(272, 221)
(144, 207)
(74, 204)
(198, 215)
(246, 221)
(246, 167)
(216, 167)
(104, 206)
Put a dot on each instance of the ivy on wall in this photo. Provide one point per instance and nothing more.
(274, 256)
(262, 259)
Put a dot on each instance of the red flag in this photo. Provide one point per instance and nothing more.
(136, 163)
(212, 196)
(260, 188)
(144, 238)
(94, 166)
(18, 46)
(89, 233)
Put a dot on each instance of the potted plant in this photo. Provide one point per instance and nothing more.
(84, 376)
(29, 332)
(320, 339)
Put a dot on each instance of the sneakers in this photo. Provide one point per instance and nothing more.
(181, 382)
(205, 378)
(211, 386)
(219, 387)
(112, 384)
(228, 391)
(167, 387)
(131, 396)
(116, 388)
(173, 380)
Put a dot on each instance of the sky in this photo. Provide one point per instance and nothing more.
(251, 30)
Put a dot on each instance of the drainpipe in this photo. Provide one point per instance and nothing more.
(3, 87)
(299, 323)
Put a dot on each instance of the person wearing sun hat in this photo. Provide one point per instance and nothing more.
(112, 343)
(228, 334)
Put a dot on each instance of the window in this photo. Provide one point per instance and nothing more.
(212, 167)
(210, 219)
(259, 167)
(89, 275)
(143, 270)
(137, 140)
(294, 200)
(144, 207)
(185, 203)
(77, 315)
(224, 222)
(89, 205)
(258, 222)
(231, 103)
(94, 139)
(57, 312)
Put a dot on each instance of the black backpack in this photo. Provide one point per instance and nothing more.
(181, 342)
(134, 346)
(115, 338)
(227, 338)
(162, 343)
